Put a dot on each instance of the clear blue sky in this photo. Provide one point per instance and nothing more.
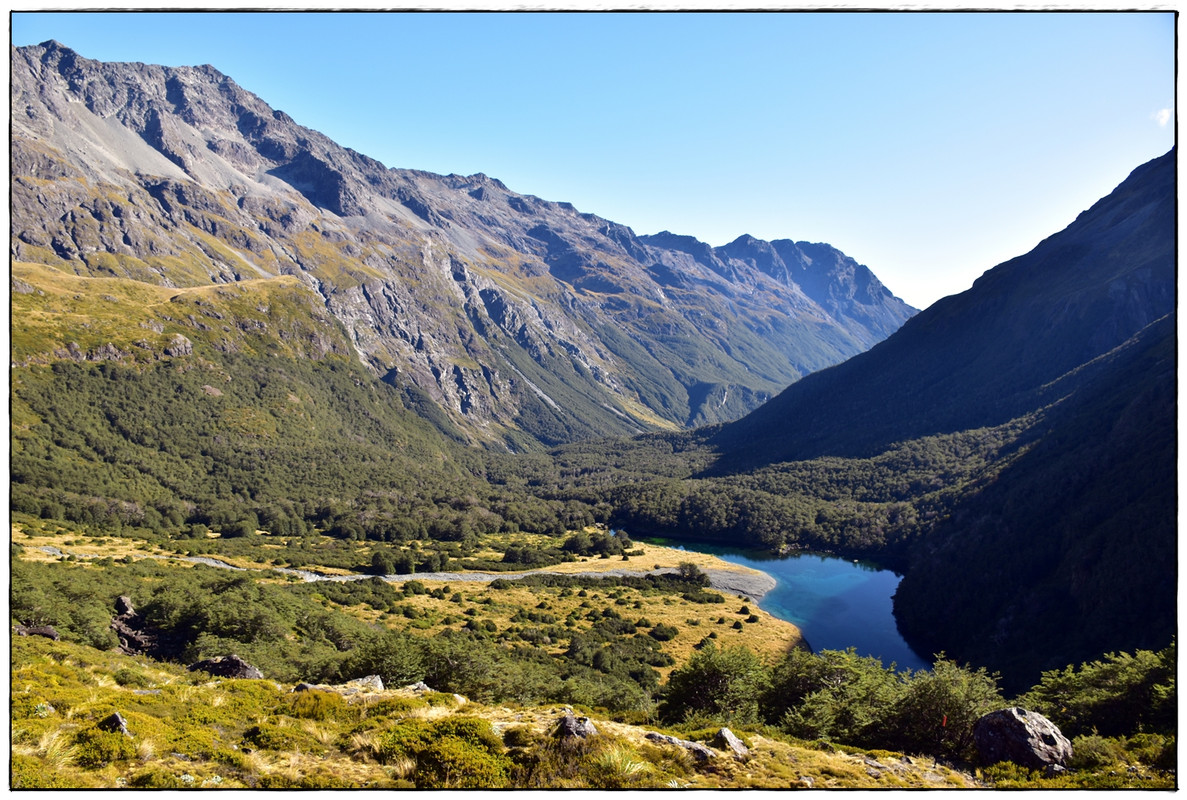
(928, 146)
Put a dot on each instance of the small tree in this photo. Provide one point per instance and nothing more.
(835, 694)
(382, 562)
(396, 657)
(939, 708)
(688, 571)
(724, 684)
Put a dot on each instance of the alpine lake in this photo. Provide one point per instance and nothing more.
(837, 603)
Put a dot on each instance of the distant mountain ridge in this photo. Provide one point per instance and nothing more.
(527, 321)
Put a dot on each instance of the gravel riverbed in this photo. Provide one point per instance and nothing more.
(744, 583)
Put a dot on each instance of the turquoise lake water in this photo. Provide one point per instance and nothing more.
(837, 603)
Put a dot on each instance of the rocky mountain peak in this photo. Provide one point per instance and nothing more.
(526, 320)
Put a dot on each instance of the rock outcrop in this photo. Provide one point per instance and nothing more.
(699, 751)
(1022, 737)
(571, 726)
(367, 685)
(114, 723)
(137, 637)
(47, 631)
(728, 741)
(231, 666)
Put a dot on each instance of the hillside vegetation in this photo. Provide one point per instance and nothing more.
(501, 662)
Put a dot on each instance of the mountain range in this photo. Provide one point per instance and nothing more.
(525, 321)
(224, 321)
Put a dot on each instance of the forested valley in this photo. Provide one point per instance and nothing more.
(396, 446)
(296, 465)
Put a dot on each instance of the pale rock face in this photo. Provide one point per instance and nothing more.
(1022, 737)
(525, 320)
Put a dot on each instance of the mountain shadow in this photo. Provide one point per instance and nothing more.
(990, 354)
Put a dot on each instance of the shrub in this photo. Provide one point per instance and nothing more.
(723, 684)
(392, 706)
(1095, 751)
(663, 633)
(27, 772)
(471, 730)
(271, 737)
(318, 705)
(397, 658)
(97, 748)
(836, 695)
(521, 736)
(452, 763)
(404, 739)
(154, 777)
(128, 677)
(440, 699)
(939, 708)
(1117, 695)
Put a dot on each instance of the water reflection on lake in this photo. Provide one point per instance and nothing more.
(837, 603)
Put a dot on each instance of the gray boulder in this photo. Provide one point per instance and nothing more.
(699, 751)
(1022, 737)
(729, 742)
(115, 723)
(575, 727)
(36, 630)
(370, 683)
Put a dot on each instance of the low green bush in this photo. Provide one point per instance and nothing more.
(97, 748)
(318, 705)
(393, 706)
(27, 772)
(663, 633)
(266, 736)
(471, 730)
(406, 738)
(453, 763)
(154, 777)
(1093, 751)
(132, 678)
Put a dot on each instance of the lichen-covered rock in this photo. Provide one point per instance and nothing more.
(179, 346)
(371, 683)
(1022, 737)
